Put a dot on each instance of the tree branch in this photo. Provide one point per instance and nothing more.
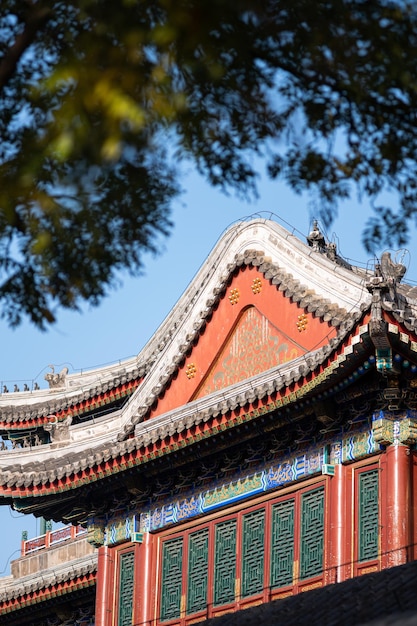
(34, 20)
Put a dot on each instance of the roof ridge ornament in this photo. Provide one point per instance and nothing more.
(316, 238)
(392, 272)
(383, 286)
(387, 276)
(56, 380)
(58, 430)
(378, 327)
(317, 241)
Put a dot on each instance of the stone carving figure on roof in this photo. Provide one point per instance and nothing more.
(316, 238)
(317, 241)
(383, 284)
(392, 272)
(332, 251)
(58, 431)
(56, 379)
(377, 286)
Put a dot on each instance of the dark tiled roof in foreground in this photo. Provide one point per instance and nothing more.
(381, 599)
(387, 598)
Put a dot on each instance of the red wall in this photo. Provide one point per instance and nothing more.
(279, 313)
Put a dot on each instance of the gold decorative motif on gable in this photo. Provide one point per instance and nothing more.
(302, 322)
(256, 286)
(234, 296)
(254, 346)
(190, 370)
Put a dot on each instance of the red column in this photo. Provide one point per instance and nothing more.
(413, 552)
(104, 587)
(340, 523)
(343, 523)
(143, 582)
(396, 532)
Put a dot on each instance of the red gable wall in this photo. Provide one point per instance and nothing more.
(253, 328)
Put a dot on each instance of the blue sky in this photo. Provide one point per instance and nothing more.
(129, 316)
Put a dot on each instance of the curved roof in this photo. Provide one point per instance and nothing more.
(333, 298)
(324, 286)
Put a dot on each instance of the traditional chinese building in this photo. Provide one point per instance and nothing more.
(259, 446)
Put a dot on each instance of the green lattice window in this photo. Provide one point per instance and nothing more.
(282, 544)
(171, 587)
(225, 562)
(368, 516)
(253, 541)
(312, 533)
(126, 582)
(197, 571)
